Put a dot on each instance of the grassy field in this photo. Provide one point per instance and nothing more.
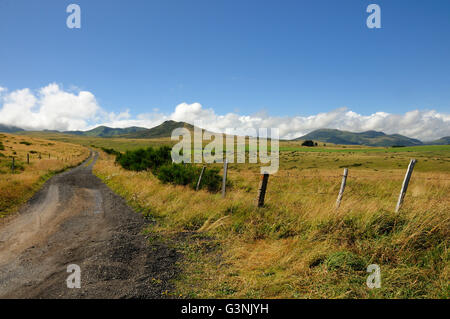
(119, 144)
(46, 159)
(298, 245)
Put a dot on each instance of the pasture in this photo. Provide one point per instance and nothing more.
(298, 245)
(46, 158)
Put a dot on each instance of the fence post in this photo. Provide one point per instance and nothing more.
(224, 181)
(341, 191)
(200, 178)
(28, 158)
(405, 184)
(262, 189)
(12, 166)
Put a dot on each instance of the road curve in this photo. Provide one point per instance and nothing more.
(76, 219)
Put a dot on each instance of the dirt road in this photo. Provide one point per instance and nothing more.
(76, 219)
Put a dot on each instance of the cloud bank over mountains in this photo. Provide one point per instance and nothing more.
(54, 108)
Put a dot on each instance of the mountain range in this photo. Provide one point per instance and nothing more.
(369, 138)
(10, 128)
(105, 131)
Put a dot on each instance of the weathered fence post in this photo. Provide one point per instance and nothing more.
(40, 156)
(28, 158)
(405, 184)
(262, 189)
(200, 178)
(12, 166)
(48, 155)
(341, 191)
(224, 181)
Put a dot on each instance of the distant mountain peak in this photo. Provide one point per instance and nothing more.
(162, 130)
(106, 131)
(369, 138)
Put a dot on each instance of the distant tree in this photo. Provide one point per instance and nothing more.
(308, 143)
(315, 144)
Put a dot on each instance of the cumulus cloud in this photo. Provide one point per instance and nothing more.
(53, 108)
(424, 125)
(49, 108)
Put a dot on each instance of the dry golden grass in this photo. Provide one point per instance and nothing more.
(298, 245)
(17, 187)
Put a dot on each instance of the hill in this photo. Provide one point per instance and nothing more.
(105, 131)
(369, 138)
(442, 141)
(163, 130)
(9, 128)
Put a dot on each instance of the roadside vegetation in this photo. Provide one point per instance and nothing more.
(159, 162)
(298, 245)
(46, 159)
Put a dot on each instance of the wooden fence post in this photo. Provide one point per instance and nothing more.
(405, 184)
(28, 158)
(224, 181)
(12, 166)
(262, 189)
(200, 178)
(341, 191)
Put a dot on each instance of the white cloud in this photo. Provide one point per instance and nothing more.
(53, 108)
(48, 108)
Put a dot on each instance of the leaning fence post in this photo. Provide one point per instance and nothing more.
(200, 178)
(341, 191)
(405, 184)
(262, 189)
(224, 181)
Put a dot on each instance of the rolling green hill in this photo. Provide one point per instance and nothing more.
(104, 131)
(369, 138)
(163, 130)
(442, 141)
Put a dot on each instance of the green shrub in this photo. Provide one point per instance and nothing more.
(159, 162)
(211, 179)
(25, 143)
(308, 143)
(179, 174)
(2, 148)
(188, 174)
(145, 159)
(110, 151)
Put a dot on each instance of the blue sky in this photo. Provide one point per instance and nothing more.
(288, 58)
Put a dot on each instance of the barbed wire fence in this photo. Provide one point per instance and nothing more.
(264, 184)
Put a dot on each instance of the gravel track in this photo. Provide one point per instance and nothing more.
(76, 219)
